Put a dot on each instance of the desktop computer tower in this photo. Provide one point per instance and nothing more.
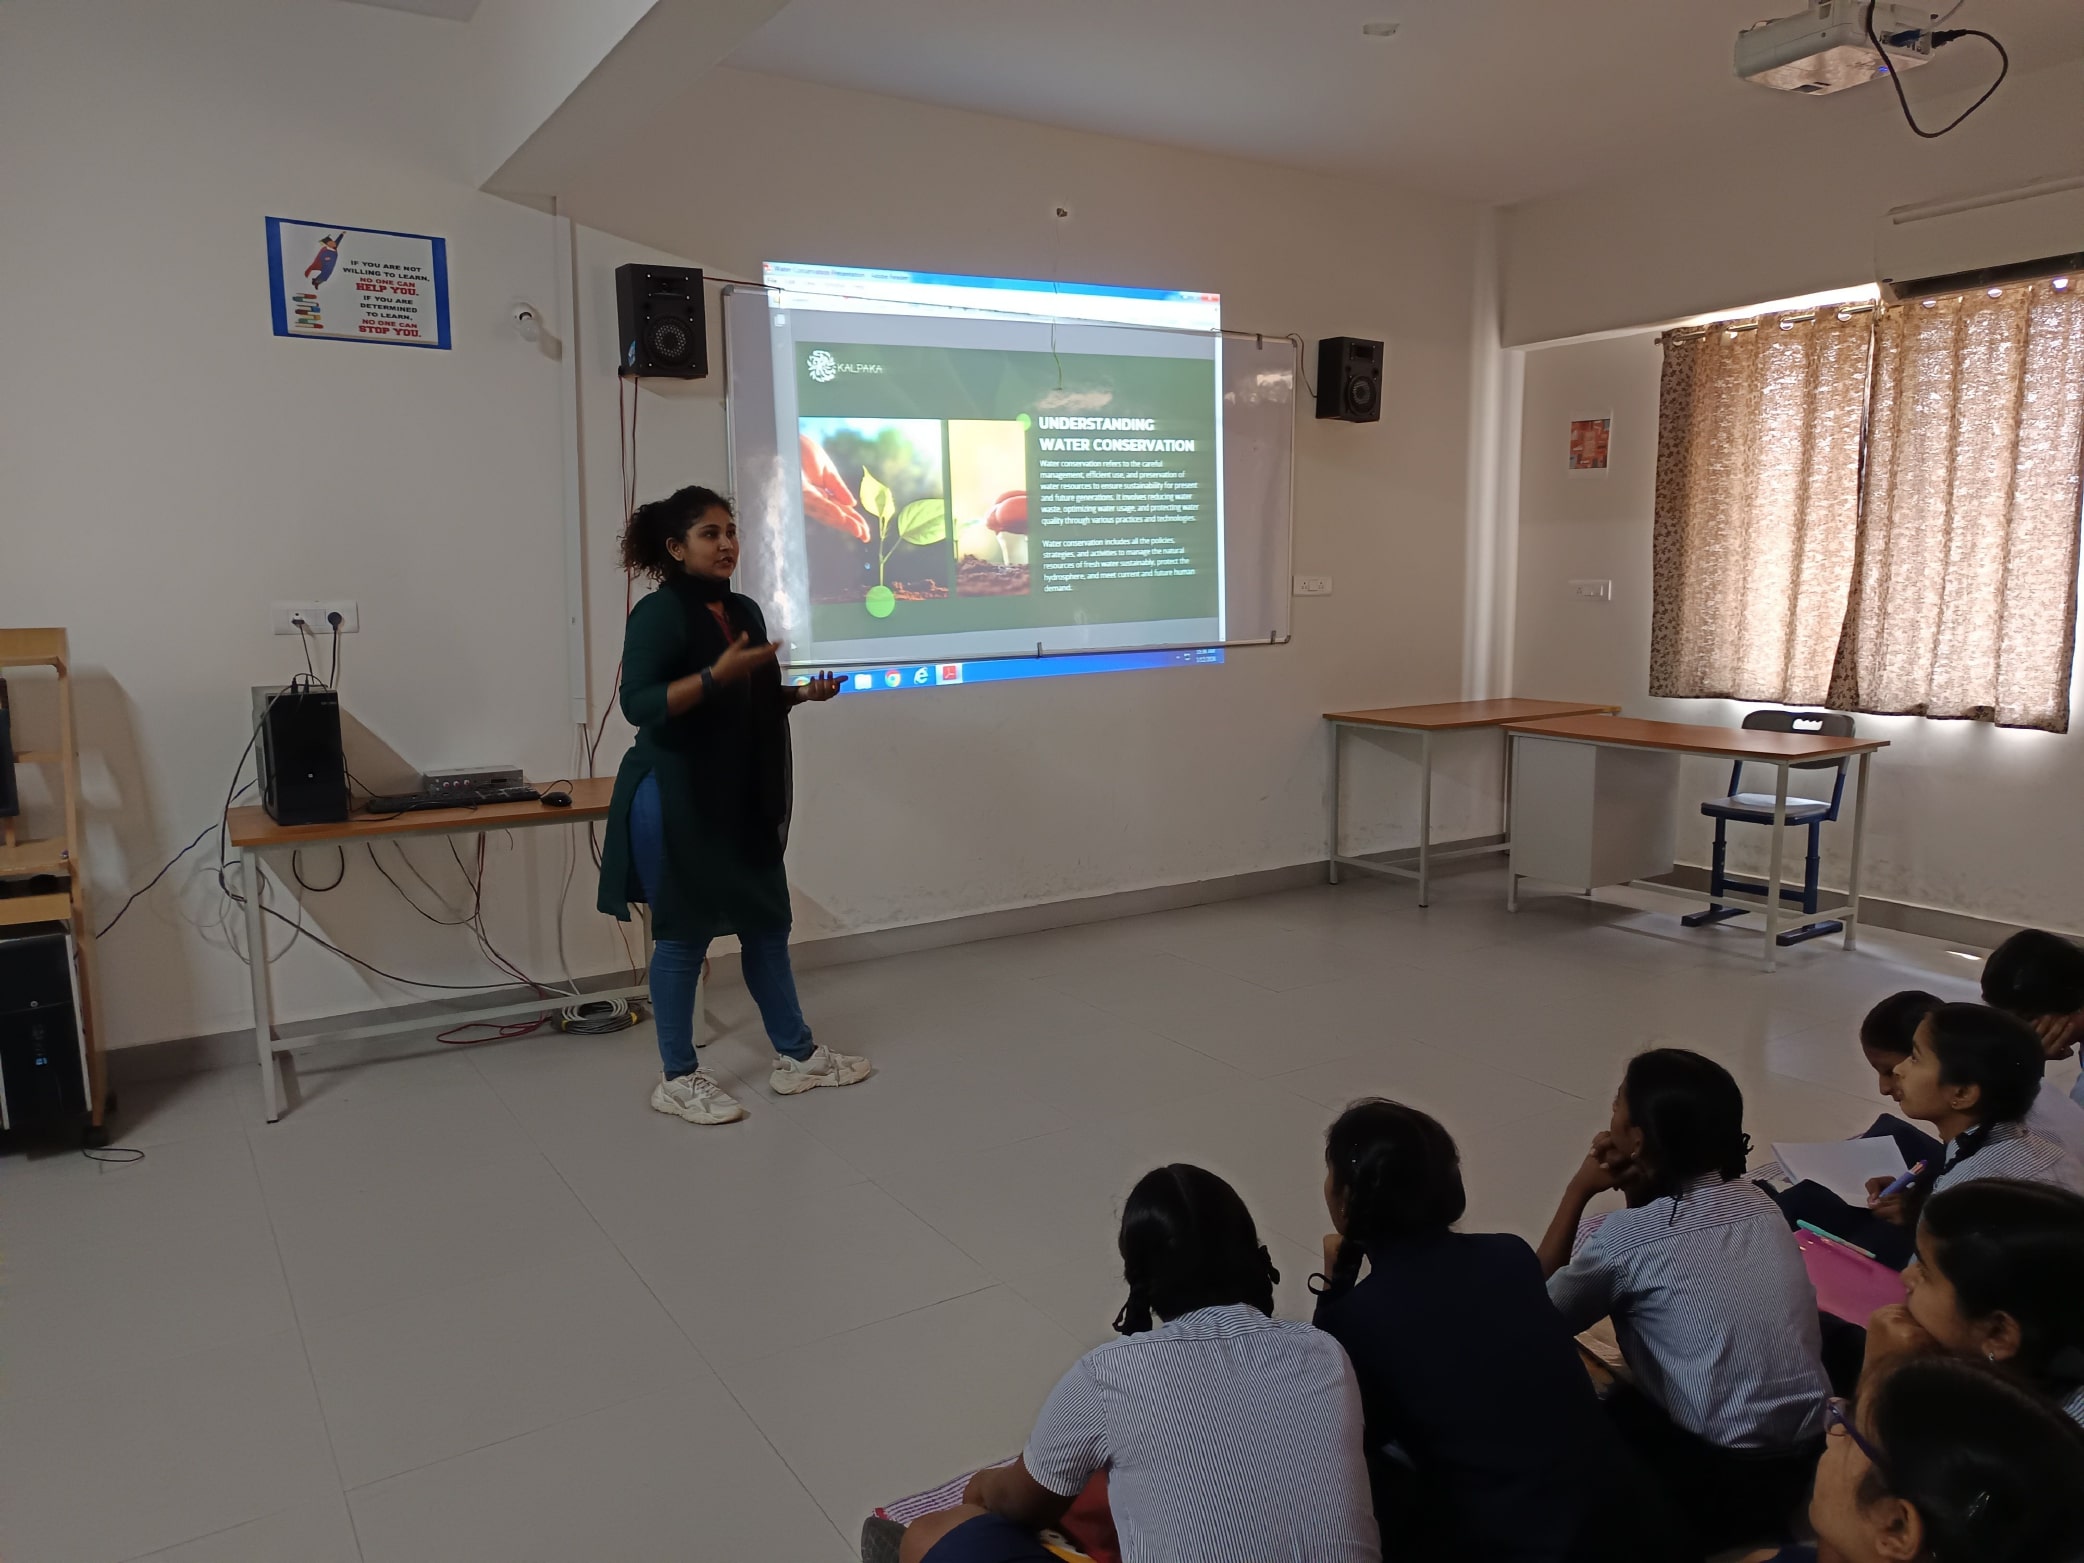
(302, 768)
(43, 1057)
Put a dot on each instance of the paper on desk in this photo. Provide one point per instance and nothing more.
(1843, 1166)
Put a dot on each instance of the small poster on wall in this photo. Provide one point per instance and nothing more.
(337, 284)
(1588, 437)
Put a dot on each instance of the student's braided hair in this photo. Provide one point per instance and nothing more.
(1994, 1052)
(1691, 1114)
(1188, 1242)
(1399, 1174)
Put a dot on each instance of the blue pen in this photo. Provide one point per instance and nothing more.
(1902, 1183)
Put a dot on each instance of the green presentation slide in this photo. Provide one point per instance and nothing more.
(955, 489)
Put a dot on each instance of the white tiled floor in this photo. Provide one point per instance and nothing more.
(484, 1304)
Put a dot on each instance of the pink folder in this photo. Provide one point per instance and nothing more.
(1847, 1285)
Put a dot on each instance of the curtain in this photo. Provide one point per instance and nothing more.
(1757, 510)
(1964, 601)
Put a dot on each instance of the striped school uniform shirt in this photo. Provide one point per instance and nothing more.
(1225, 1436)
(2056, 1118)
(2012, 1151)
(1713, 1310)
(2073, 1408)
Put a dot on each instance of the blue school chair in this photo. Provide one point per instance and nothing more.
(1753, 808)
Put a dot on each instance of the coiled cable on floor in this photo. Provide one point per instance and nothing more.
(598, 1017)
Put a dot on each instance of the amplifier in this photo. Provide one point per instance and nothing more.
(469, 778)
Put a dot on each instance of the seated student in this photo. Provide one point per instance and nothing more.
(1712, 1307)
(1225, 1434)
(1999, 1277)
(1973, 1073)
(1497, 1447)
(1887, 1038)
(2039, 977)
(1945, 1462)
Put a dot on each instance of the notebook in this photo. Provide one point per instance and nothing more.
(1843, 1166)
(1847, 1286)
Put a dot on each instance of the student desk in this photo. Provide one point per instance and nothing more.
(1613, 819)
(1427, 721)
(257, 836)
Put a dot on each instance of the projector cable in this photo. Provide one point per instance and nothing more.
(2004, 68)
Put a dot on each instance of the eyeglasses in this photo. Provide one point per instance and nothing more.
(1838, 1417)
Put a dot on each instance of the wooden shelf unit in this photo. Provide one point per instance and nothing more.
(57, 857)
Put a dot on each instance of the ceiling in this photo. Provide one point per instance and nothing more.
(1484, 100)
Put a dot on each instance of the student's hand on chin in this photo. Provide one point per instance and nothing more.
(2058, 1034)
(1596, 1174)
(1892, 1333)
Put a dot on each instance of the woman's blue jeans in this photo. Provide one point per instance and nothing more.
(676, 964)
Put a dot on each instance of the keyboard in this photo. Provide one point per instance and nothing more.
(411, 802)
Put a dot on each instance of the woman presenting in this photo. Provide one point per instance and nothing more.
(701, 806)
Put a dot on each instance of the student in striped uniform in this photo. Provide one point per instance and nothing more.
(1888, 1037)
(1999, 1276)
(2039, 977)
(1445, 1329)
(1973, 1073)
(1227, 1436)
(1713, 1309)
(1945, 1462)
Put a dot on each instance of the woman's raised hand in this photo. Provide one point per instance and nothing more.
(741, 658)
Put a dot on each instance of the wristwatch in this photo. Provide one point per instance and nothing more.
(708, 684)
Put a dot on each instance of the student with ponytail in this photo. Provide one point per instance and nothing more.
(1226, 1434)
(1485, 1441)
(1973, 1073)
(1942, 1461)
(1710, 1302)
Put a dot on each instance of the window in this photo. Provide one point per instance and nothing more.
(1938, 576)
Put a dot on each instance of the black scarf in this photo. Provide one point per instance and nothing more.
(737, 739)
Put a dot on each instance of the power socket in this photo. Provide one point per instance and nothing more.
(1595, 591)
(1313, 586)
(291, 618)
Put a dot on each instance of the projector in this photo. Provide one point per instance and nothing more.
(1826, 48)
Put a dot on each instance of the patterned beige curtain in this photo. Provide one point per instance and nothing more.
(1758, 478)
(1965, 597)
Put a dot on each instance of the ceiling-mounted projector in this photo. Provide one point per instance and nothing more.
(1826, 48)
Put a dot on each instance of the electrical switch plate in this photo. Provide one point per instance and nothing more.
(284, 617)
(1596, 591)
(1313, 586)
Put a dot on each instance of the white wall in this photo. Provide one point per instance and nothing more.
(1773, 217)
(966, 800)
(170, 467)
(1964, 817)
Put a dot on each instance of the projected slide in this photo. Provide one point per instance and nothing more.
(934, 468)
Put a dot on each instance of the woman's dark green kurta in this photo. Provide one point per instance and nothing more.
(722, 768)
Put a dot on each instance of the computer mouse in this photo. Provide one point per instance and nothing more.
(557, 800)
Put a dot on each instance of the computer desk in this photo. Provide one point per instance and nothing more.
(1779, 750)
(256, 836)
(1429, 721)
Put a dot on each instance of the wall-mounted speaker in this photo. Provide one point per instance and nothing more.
(659, 322)
(1349, 379)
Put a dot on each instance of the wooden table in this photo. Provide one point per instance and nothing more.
(256, 836)
(1779, 750)
(1426, 721)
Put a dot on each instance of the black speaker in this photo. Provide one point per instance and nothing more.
(43, 1067)
(659, 321)
(303, 770)
(1349, 379)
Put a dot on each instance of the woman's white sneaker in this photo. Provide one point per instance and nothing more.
(697, 1098)
(824, 1067)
